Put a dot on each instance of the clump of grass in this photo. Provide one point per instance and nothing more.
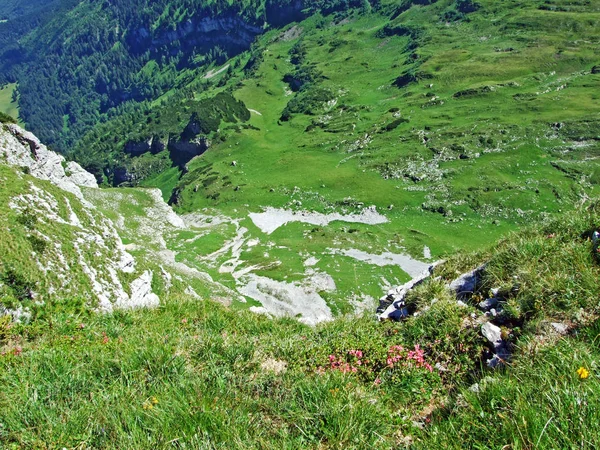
(541, 401)
(5, 118)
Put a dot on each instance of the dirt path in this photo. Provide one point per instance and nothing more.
(213, 73)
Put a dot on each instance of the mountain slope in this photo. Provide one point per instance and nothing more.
(458, 124)
(196, 373)
(58, 251)
(346, 151)
(98, 58)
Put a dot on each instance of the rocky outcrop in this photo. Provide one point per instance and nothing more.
(394, 307)
(182, 150)
(141, 294)
(154, 145)
(466, 284)
(21, 148)
(279, 15)
(122, 176)
(201, 31)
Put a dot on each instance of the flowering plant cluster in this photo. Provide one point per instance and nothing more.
(348, 364)
(149, 403)
(397, 355)
(397, 359)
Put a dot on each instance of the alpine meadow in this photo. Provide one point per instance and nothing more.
(295, 224)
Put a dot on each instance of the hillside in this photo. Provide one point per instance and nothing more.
(199, 374)
(299, 224)
(426, 128)
(100, 59)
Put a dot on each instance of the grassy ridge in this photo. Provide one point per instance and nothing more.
(193, 373)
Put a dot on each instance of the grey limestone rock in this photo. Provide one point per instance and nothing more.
(21, 148)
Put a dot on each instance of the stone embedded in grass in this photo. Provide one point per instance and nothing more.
(491, 332)
(393, 305)
(467, 283)
(560, 328)
(488, 304)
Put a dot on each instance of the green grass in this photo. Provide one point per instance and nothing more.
(491, 164)
(7, 106)
(165, 181)
(517, 147)
(41, 263)
(456, 160)
(201, 375)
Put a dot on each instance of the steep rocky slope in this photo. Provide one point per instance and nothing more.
(55, 245)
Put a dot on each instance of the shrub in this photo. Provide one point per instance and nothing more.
(21, 287)
(38, 245)
(28, 218)
(5, 118)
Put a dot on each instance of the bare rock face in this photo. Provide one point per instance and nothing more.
(21, 148)
(141, 294)
(154, 145)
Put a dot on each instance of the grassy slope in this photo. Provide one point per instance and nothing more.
(7, 106)
(211, 369)
(40, 246)
(204, 376)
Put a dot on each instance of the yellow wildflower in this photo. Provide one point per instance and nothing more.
(149, 403)
(583, 373)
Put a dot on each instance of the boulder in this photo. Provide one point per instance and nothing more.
(466, 284)
(138, 148)
(183, 151)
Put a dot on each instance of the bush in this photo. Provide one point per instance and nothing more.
(309, 102)
(38, 245)
(5, 118)
(28, 218)
(21, 287)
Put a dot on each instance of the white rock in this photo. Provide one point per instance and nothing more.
(560, 328)
(141, 294)
(491, 332)
(21, 148)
